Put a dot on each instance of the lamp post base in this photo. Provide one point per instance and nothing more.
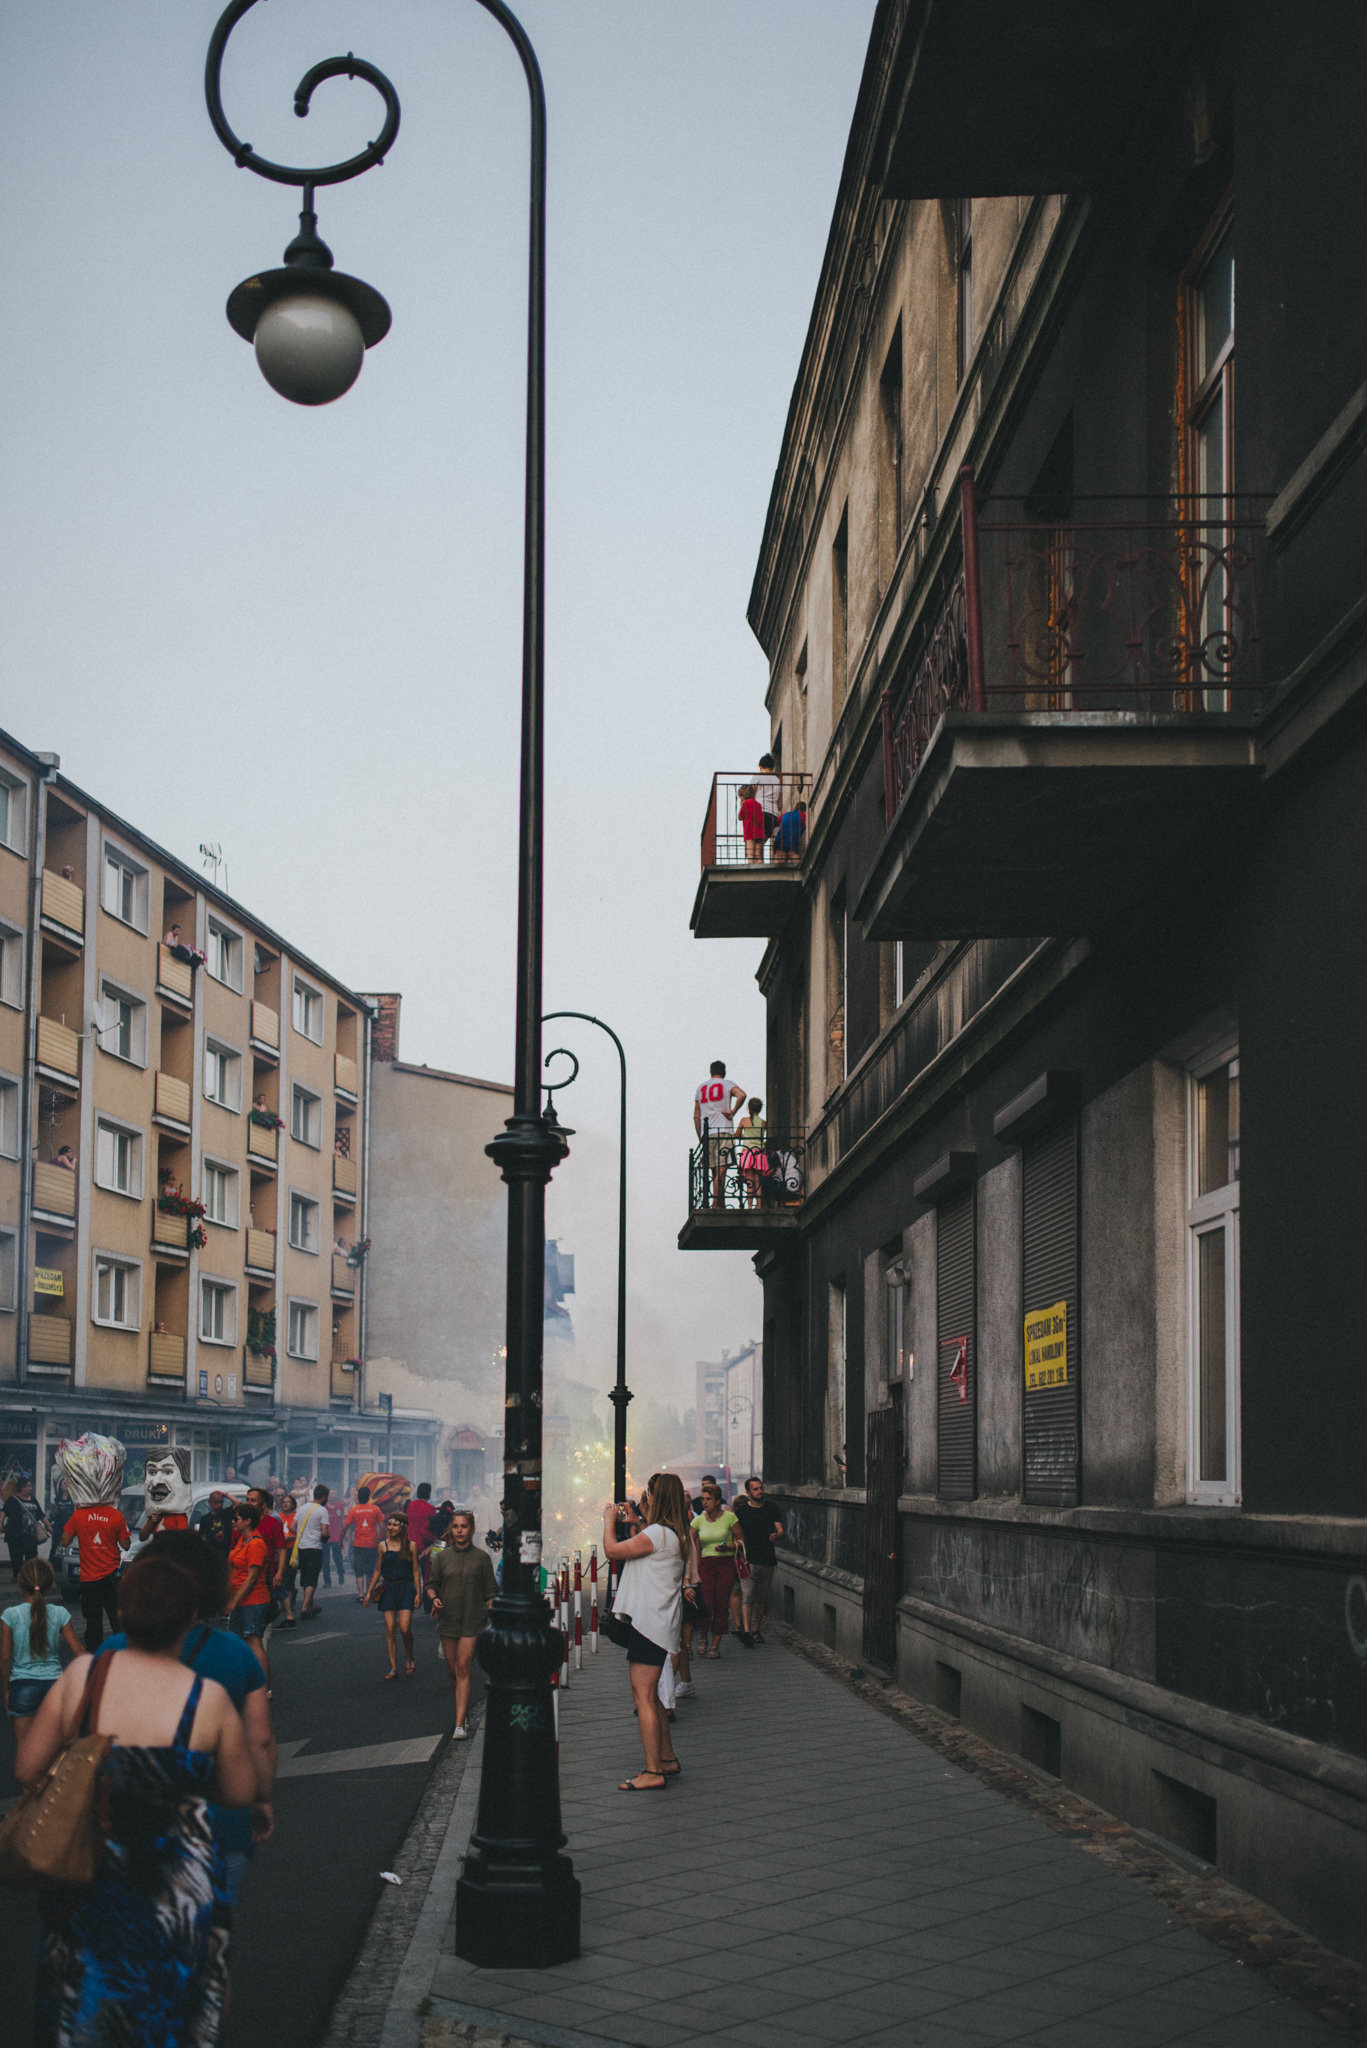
(517, 1912)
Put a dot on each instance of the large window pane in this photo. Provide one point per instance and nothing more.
(1212, 1360)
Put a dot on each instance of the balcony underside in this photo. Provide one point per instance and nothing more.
(1049, 823)
(737, 1230)
(1011, 96)
(745, 902)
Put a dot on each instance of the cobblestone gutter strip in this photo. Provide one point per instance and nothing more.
(452, 2034)
(358, 2016)
(1296, 1965)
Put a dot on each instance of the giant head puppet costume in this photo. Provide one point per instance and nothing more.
(167, 1486)
(93, 1469)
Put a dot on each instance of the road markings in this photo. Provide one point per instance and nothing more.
(373, 1756)
(324, 1635)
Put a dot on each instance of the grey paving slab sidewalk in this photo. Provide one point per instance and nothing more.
(818, 1875)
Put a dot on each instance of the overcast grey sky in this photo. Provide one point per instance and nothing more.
(298, 632)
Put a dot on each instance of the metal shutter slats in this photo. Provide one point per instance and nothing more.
(1049, 1209)
(954, 1314)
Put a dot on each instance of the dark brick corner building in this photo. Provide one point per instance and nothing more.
(1064, 592)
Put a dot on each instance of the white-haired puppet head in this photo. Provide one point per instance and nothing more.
(93, 1469)
(167, 1482)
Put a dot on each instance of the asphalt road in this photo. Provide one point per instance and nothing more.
(356, 1755)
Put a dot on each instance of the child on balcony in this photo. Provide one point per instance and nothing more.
(752, 824)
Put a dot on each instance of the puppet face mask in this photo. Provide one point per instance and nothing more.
(167, 1483)
(93, 1469)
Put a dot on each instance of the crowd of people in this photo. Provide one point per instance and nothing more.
(690, 1574)
(183, 1687)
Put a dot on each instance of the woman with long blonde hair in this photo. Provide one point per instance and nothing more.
(649, 1595)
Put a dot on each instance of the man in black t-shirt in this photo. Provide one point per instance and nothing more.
(762, 1527)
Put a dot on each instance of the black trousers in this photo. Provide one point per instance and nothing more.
(100, 1598)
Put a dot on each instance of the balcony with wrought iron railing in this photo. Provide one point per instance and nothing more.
(753, 839)
(743, 1197)
(1075, 707)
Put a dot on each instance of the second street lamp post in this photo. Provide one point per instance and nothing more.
(621, 1393)
(517, 1904)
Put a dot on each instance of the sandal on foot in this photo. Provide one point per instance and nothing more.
(632, 1786)
(388, 1675)
(671, 1770)
(409, 1668)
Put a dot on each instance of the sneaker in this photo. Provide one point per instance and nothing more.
(460, 1735)
(686, 1691)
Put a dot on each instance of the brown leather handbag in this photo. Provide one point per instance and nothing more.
(54, 1838)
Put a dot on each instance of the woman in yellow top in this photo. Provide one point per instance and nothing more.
(750, 1150)
(719, 1540)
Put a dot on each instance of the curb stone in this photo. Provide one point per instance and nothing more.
(1333, 1987)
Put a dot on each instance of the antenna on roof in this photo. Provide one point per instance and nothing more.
(213, 858)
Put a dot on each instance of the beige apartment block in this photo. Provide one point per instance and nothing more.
(186, 1260)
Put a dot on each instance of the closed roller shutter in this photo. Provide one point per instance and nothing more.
(1049, 1242)
(956, 1347)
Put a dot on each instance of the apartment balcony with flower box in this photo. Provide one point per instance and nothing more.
(263, 1142)
(170, 1235)
(63, 911)
(1074, 718)
(261, 1254)
(343, 1179)
(171, 1103)
(176, 974)
(751, 869)
(744, 1198)
(265, 1032)
(165, 1359)
(49, 1345)
(54, 1196)
(59, 1054)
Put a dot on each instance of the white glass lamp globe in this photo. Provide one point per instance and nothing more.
(310, 348)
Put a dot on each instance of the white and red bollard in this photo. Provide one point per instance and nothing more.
(593, 1600)
(578, 1613)
(565, 1623)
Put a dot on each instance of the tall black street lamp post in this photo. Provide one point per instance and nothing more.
(621, 1393)
(517, 1905)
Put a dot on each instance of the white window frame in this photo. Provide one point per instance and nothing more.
(305, 1309)
(221, 1050)
(1219, 1209)
(301, 1097)
(303, 995)
(301, 1197)
(9, 1271)
(221, 935)
(113, 855)
(15, 834)
(212, 1287)
(232, 1182)
(115, 1128)
(11, 967)
(10, 1092)
(114, 992)
(131, 1320)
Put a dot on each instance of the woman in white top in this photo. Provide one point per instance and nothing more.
(649, 1594)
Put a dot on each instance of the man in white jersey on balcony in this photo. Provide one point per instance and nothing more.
(714, 1106)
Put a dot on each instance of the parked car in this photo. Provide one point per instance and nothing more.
(133, 1506)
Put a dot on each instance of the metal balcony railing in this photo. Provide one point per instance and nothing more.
(779, 831)
(1147, 605)
(725, 1173)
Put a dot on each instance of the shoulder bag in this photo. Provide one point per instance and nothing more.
(54, 1838)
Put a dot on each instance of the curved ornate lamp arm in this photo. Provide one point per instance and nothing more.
(242, 153)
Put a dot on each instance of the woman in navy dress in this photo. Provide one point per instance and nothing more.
(142, 1955)
(396, 1588)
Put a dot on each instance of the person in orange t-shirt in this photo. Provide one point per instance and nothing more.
(366, 1524)
(103, 1536)
(249, 1603)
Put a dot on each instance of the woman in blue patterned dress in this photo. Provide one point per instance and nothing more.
(143, 1954)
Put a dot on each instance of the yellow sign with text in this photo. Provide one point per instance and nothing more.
(1046, 1347)
(47, 1280)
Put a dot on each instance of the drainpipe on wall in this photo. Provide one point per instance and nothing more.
(48, 765)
